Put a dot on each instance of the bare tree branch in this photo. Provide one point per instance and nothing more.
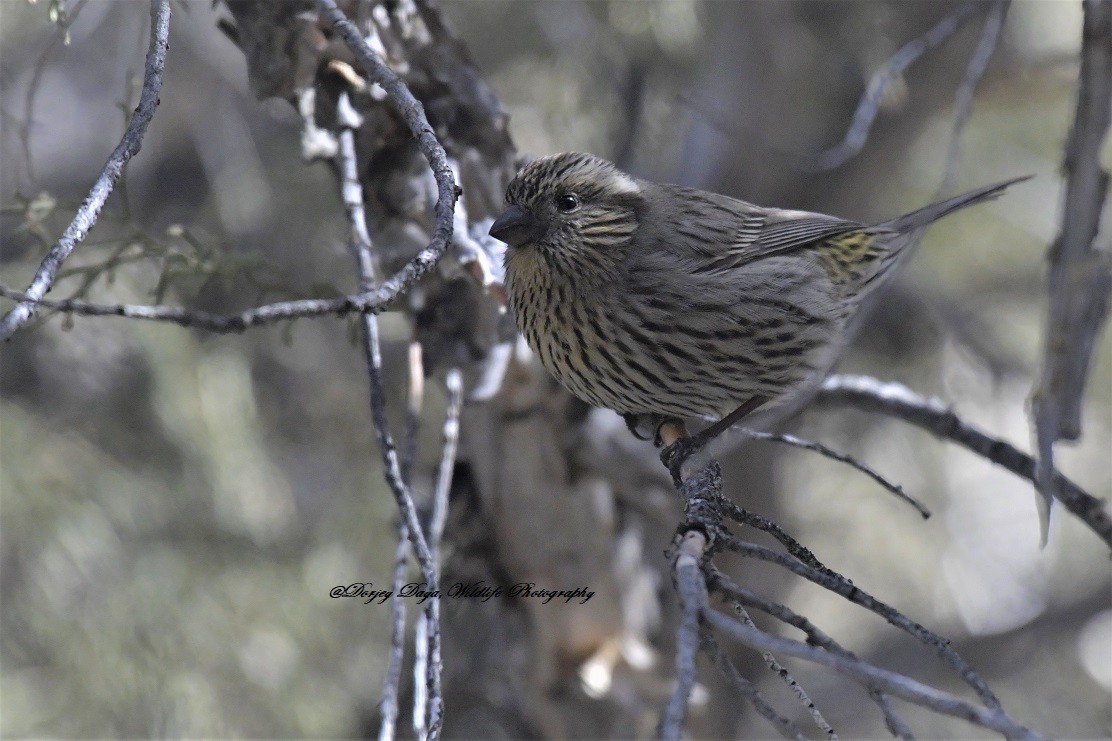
(719, 582)
(352, 192)
(874, 677)
(963, 103)
(369, 302)
(1080, 277)
(87, 214)
(428, 627)
(842, 586)
(748, 690)
(414, 402)
(693, 600)
(896, 400)
(414, 114)
(453, 382)
(869, 105)
(828, 452)
(791, 682)
(392, 685)
(703, 534)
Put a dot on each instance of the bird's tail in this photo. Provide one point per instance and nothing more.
(929, 214)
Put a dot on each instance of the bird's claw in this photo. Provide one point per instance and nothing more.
(633, 424)
(675, 455)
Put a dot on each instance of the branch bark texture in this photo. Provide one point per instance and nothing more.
(86, 217)
(1080, 277)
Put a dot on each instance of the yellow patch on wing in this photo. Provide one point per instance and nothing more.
(846, 257)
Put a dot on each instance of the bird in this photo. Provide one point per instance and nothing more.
(670, 303)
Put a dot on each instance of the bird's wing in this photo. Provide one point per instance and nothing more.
(719, 233)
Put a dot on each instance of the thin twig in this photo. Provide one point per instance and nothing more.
(817, 447)
(413, 113)
(1080, 281)
(421, 669)
(963, 102)
(453, 382)
(869, 105)
(765, 525)
(748, 690)
(693, 599)
(703, 508)
(352, 192)
(87, 214)
(428, 629)
(719, 582)
(896, 400)
(842, 586)
(874, 677)
(391, 686)
(795, 687)
(367, 302)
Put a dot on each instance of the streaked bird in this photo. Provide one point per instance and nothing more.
(676, 303)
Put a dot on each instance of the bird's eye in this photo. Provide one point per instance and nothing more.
(567, 202)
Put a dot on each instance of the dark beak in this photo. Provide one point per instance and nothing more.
(517, 227)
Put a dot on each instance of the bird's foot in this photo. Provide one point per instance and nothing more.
(675, 455)
(633, 424)
(682, 446)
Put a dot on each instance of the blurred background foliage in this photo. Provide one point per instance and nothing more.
(176, 506)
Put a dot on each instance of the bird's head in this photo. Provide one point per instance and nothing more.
(570, 207)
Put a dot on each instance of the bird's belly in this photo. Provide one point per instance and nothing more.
(695, 364)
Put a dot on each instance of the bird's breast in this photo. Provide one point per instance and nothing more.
(572, 331)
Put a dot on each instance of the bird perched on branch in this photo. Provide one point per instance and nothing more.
(677, 303)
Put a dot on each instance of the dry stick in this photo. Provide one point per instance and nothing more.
(392, 684)
(869, 105)
(817, 447)
(719, 582)
(963, 102)
(703, 509)
(1080, 279)
(359, 303)
(352, 192)
(789, 680)
(693, 598)
(896, 400)
(453, 382)
(702, 512)
(420, 683)
(368, 301)
(87, 214)
(702, 493)
(874, 677)
(765, 525)
(783, 725)
(838, 584)
(414, 114)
